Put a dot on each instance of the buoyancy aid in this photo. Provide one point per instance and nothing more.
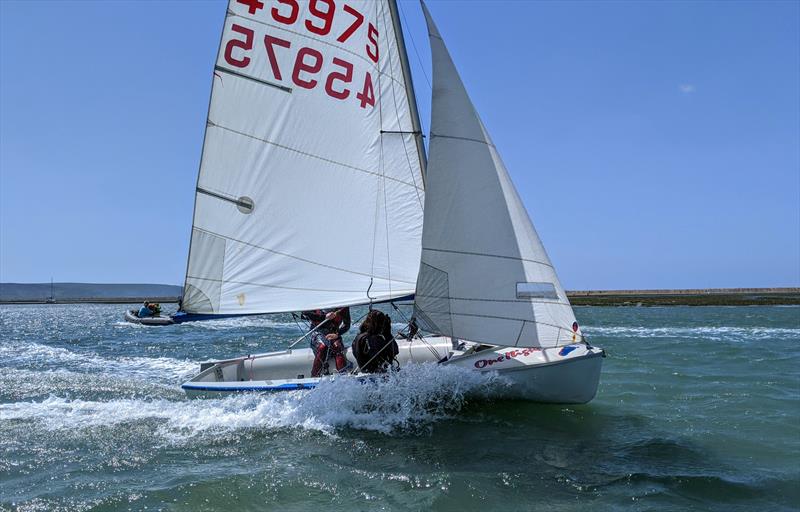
(372, 353)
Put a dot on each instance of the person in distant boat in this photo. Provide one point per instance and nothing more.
(375, 349)
(155, 308)
(145, 310)
(326, 341)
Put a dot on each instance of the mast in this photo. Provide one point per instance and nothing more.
(412, 98)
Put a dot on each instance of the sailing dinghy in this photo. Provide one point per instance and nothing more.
(311, 194)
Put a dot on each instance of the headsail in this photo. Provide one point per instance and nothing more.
(310, 188)
(484, 274)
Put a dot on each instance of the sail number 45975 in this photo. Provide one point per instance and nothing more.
(320, 22)
(307, 65)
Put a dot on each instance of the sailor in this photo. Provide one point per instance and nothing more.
(155, 308)
(375, 349)
(145, 310)
(326, 341)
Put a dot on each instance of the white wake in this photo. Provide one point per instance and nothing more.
(414, 397)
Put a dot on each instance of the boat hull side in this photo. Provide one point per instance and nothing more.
(548, 375)
(570, 382)
(564, 375)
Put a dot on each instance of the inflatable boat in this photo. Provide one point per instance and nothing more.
(132, 317)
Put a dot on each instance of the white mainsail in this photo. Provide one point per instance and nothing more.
(310, 189)
(484, 275)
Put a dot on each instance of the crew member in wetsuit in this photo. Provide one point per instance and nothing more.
(327, 340)
(375, 348)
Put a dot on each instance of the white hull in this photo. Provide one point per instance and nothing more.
(565, 375)
(556, 375)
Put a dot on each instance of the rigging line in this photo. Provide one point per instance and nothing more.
(494, 317)
(503, 301)
(294, 316)
(467, 139)
(403, 139)
(414, 44)
(466, 253)
(383, 165)
(380, 167)
(294, 257)
(304, 153)
(521, 328)
(432, 350)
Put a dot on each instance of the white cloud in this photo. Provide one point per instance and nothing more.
(686, 88)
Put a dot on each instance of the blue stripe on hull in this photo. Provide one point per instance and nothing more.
(180, 318)
(280, 387)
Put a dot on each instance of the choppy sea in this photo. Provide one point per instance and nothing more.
(698, 409)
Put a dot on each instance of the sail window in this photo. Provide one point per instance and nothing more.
(536, 291)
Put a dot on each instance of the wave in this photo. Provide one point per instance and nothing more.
(719, 333)
(244, 322)
(220, 324)
(18, 385)
(37, 355)
(405, 401)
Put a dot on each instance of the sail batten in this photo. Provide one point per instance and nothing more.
(484, 274)
(306, 197)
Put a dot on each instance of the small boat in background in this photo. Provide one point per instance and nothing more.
(52, 298)
(132, 317)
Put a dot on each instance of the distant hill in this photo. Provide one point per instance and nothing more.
(78, 292)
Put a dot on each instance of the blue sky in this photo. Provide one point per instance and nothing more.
(655, 144)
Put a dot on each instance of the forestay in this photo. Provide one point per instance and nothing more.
(484, 274)
(310, 187)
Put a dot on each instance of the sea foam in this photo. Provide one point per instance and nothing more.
(403, 401)
(716, 333)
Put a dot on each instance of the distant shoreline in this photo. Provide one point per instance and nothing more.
(104, 300)
(688, 297)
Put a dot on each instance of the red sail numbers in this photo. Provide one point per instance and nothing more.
(306, 70)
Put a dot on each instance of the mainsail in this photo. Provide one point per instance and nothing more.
(484, 275)
(310, 189)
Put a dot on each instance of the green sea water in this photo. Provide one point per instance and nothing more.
(698, 409)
